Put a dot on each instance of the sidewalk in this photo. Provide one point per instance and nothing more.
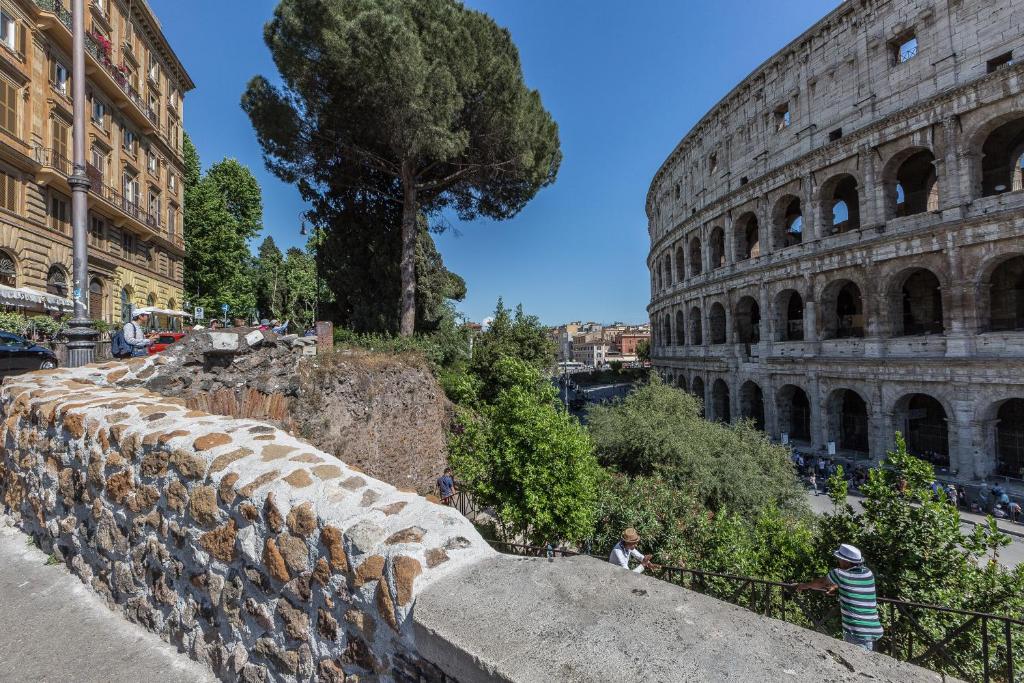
(822, 503)
(56, 630)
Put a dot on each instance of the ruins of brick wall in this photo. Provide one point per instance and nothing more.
(834, 244)
(248, 548)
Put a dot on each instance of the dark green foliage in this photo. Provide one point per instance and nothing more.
(418, 104)
(270, 280)
(510, 336)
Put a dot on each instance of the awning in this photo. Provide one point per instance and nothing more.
(25, 297)
(153, 310)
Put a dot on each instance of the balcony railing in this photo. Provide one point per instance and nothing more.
(52, 159)
(102, 57)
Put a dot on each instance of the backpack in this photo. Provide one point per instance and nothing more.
(119, 346)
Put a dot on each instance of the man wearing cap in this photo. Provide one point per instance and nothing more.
(134, 335)
(856, 586)
(626, 549)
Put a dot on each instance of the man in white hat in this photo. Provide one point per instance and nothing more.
(625, 550)
(857, 602)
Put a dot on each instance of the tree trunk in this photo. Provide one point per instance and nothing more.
(409, 232)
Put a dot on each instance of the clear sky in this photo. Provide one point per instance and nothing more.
(624, 81)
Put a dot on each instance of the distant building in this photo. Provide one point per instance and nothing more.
(591, 354)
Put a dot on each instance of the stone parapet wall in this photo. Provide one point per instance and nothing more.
(245, 546)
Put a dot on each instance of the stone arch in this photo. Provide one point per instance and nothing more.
(848, 421)
(667, 266)
(695, 258)
(97, 291)
(787, 222)
(1001, 294)
(680, 264)
(747, 237)
(924, 423)
(680, 328)
(717, 324)
(666, 329)
(696, 337)
(910, 182)
(716, 244)
(720, 411)
(840, 204)
(57, 281)
(1000, 144)
(1008, 428)
(789, 308)
(681, 381)
(794, 410)
(842, 310)
(748, 321)
(8, 269)
(915, 303)
(697, 389)
(752, 403)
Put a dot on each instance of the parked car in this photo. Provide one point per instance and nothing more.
(18, 355)
(164, 340)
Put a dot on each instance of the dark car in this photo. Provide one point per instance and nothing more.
(18, 354)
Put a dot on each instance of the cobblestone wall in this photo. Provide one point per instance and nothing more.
(248, 548)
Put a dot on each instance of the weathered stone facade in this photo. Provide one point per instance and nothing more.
(248, 548)
(837, 247)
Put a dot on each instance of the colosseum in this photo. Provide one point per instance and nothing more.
(837, 247)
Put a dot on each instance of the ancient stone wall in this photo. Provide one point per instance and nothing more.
(247, 547)
(837, 247)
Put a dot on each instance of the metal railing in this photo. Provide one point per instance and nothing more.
(51, 158)
(975, 646)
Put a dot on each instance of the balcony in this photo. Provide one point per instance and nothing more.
(120, 209)
(100, 65)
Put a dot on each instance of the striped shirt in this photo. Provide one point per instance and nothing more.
(857, 601)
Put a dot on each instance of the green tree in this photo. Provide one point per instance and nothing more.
(658, 431)
(270, 285)
(517, 335)
(218, 222)
(526, 457)
(643, 350)
(299, 288)
(421, 102)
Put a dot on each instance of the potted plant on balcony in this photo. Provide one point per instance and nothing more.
(104, 46)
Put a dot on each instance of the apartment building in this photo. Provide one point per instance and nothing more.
(135, 90)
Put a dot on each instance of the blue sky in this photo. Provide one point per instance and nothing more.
(624, 81)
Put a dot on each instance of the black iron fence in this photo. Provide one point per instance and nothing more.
(974, 646)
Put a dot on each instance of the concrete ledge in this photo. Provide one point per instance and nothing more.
(580, 619)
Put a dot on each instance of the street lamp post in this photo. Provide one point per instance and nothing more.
(81, 334)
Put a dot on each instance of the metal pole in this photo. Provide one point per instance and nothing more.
(80, 333)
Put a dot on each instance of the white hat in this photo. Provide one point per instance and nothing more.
(848, 553)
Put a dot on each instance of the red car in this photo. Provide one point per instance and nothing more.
(164, 340)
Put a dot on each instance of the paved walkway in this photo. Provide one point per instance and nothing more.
(56, 630)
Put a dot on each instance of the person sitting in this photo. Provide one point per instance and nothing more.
(625, 550)
(264, 325)
(134, 336)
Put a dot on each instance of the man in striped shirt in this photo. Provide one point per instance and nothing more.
(856, 586)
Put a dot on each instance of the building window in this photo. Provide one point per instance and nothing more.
(60, 142)
(57, 282)
(9, 186)
(131, 189)
(154, 69)
(172, 220)
(997, 63)
(904, 48)
(99, 112)
(154, 206)
(151, 162)
(59, 78)
(126, 306)
(99, 162)
(100, 6)
(127, 244)
(8, 31)
(8, 107)
(97, 231)
(130, 141)
(782, 118)
(712, 163)
(172, 183)
(60, 212)
(8, 271)
(96, 299)
(835, 134)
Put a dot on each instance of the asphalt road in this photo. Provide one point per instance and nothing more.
(1010, 556)
(56, 630)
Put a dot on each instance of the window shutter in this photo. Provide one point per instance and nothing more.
(22, 33)
(11, 119)
(11, 194)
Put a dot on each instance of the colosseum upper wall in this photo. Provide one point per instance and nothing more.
(837, 247)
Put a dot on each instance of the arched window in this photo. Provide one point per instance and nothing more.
(921, 304)
(680, 264)
(668, 270)
(681, 382)
(695, 259)
(748, 321)
(716, 323)
(1006, 296)
(717, 246)
(748, 241)
(96, 299)
(126, 305)
(914, 189)
(922, 419)
(695, 327)
(680, 328)
(1010, 438)
(794, 413)
(667, 330)
(57, 282)
(841, 205)
(844, 311)
(752, 403)
(720, 401)
(848, 421)
(1002, 161)
(8, 270)
(789, 222)
(791, 320)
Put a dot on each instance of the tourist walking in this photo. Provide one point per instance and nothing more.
(857, 602)
(812, 480)
(625, 550)
(446, 486)
(134, 336)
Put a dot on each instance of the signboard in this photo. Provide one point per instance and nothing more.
(785, 437)
(224, 309)
(831, 447)
(198, 313)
